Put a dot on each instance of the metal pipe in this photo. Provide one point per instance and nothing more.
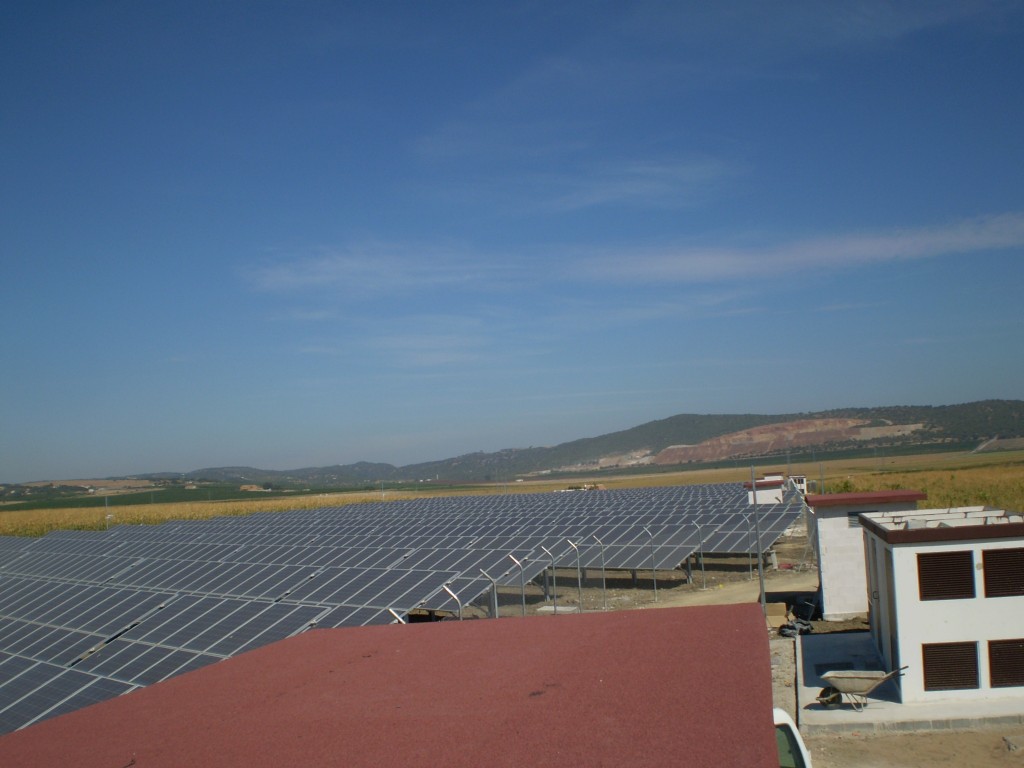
(703, 576)
(447, 588)
(750, 547)
(494, 593)
(604, 584)
(654, 564)
(554, 581)
(760, 559)
(522, 580)
(579, 573)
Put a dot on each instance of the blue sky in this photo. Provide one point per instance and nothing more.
(298, 234)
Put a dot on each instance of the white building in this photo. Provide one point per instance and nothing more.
(770, 490)
(947, 600)
(834, 527)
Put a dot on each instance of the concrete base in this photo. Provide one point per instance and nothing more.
(553, 609)
(817, 654)
(843, 616)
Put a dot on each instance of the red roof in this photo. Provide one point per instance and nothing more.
(865, 498)
(636, 688)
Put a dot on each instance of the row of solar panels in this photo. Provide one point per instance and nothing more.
(85, 615)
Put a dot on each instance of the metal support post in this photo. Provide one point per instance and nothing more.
(579, 574)
(494, 593)
(522, 580)
(760, 555)
(447, 588)
(750, 547)
(654, 564)
(554, 581)
(604, 583)
(703, 576)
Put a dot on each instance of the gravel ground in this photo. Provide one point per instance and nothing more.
(783, 651)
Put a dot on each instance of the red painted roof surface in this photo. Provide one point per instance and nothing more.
(674, 686)
(863, 498)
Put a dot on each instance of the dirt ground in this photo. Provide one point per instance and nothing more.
(735, 580)
(987, 748)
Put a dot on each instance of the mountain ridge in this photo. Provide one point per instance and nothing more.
(899, 425)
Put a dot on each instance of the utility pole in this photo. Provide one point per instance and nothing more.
(757, 545)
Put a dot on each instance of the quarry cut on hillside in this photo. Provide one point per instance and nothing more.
(765, 440)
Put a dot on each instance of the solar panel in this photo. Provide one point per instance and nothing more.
(43, 690)
(46, 643)
(133, 605)
(141, 663)
(275, 622)
(350, 616)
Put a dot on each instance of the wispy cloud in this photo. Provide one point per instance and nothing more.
(411, 350)
(587, 314)
(431, 349)
(650, 48)
(686, 265)
(647, 183)
(570, 185)
(311, 315)
(373, 269)
(849, 306)
(883, 20)
(753, 31)
(409, 341)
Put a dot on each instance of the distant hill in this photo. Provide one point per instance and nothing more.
(680, 440)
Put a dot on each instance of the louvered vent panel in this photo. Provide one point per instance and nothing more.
(1006, 663)
(946, 575)
(950, 666)
(1004, 572)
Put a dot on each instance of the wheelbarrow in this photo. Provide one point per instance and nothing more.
(855, 684)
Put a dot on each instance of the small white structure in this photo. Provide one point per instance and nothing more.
(770, 490)
(947, 600)
(834, 527)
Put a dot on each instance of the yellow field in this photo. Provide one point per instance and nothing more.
(949, 479)
(994, 480)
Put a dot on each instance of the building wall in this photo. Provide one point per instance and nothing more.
(840, 565)
(918, 622)
(840, 548)
(766, 495)
(882, 607)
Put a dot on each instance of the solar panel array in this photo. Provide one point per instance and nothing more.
(88, 615)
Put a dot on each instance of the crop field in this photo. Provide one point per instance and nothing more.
(982, 481)
(949, 479)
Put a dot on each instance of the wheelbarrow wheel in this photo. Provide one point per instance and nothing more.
(830, 697)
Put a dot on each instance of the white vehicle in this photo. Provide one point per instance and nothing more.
(792, 751)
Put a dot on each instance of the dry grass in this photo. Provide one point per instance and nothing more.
(949, 479)
(36, 522)
(1000, 487)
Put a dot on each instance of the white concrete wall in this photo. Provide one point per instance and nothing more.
(946, 621)
(882, 609)
(766, 495)
(841, 560)
(840, 565)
